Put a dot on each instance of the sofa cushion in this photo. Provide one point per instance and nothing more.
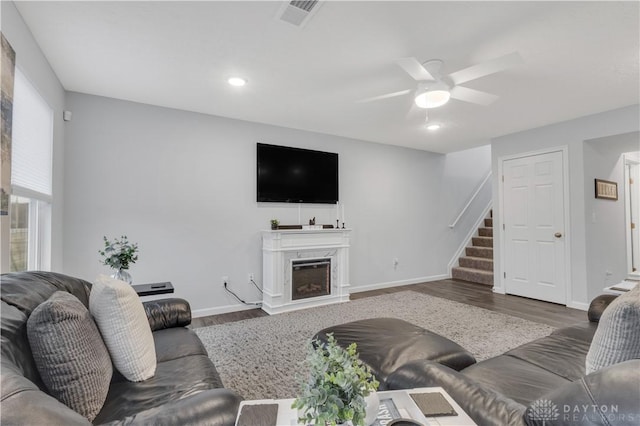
(617, 338)
(72, 360)
(517, 379)
(123, 323)
(580, 331)
(174, 379)
(559, 354)
(173, 343)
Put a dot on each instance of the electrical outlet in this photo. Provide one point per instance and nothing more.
(224, 279)
(251, 277)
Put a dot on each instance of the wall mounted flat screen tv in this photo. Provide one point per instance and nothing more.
(295, 175)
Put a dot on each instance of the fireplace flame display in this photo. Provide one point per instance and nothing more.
(310, 278)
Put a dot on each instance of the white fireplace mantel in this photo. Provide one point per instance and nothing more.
(281, 247)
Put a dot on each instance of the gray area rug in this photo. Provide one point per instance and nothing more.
(260, 358)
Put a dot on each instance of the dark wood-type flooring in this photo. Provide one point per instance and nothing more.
(459, 291)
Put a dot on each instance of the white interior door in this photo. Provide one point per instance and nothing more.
(534, 231)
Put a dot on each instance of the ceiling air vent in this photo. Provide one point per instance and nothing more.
(297, 12)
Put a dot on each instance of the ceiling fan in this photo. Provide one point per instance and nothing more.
(435, 90)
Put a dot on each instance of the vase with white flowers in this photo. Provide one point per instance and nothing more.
(119, 254)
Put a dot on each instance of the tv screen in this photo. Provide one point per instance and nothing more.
(295, 175)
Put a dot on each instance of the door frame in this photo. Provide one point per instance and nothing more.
(627, 160)
(567, 217)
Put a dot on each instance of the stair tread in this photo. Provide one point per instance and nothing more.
(477, 271)
(478, 257)
(482, 259)
(486, 251)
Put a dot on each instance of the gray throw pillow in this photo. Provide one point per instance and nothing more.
(71, 357)
(617, 338)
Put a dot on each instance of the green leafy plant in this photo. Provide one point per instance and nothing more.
(119, 253)
(336, 387)
(275, 223)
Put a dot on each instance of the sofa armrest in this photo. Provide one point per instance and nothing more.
(598, 305)
(607, 397)
(24, 404)
(215, 407)
(485, 406)
(167, 313)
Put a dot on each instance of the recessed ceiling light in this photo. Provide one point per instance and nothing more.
(237, 81)
(433, 126)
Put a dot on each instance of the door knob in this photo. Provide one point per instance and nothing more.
(557, 235)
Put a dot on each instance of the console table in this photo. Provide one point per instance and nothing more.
(153, 288)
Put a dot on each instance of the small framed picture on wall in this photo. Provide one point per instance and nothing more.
(606, 189)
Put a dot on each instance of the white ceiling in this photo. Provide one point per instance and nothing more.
(580, 58)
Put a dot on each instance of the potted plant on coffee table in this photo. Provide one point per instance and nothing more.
(338, 383)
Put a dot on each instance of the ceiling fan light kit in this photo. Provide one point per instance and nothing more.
(432, 98)
(435, 89)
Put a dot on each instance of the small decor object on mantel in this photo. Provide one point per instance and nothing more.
(119, 254)
(275, 223)
(338, 387)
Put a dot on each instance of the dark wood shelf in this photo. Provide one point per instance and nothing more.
(153, 288)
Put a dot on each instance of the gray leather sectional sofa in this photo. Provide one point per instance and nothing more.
(186, 388)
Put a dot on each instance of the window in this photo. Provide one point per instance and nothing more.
(31, 178)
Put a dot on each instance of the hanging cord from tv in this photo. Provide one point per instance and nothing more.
(240, 300)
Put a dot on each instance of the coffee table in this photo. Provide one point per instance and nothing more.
(401, 398)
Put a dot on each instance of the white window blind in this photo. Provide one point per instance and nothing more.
(32, 138)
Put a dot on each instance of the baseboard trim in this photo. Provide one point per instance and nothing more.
(198, 313)
(574, 305)
(390, 284)
(578, 305)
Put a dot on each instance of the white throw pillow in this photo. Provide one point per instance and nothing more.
(124, 326)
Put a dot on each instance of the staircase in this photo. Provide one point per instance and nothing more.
(476, 265)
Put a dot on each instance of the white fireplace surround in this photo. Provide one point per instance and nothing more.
(281, 247)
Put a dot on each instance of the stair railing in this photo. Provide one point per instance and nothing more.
(473, 197)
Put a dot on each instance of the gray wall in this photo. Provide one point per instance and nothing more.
(573, 134)
(605, 219)
(182, 185)
(34, 65)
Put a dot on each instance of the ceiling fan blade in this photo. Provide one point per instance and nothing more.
(490, 67)
(474, 96)
(415, 69)
(386, 96)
